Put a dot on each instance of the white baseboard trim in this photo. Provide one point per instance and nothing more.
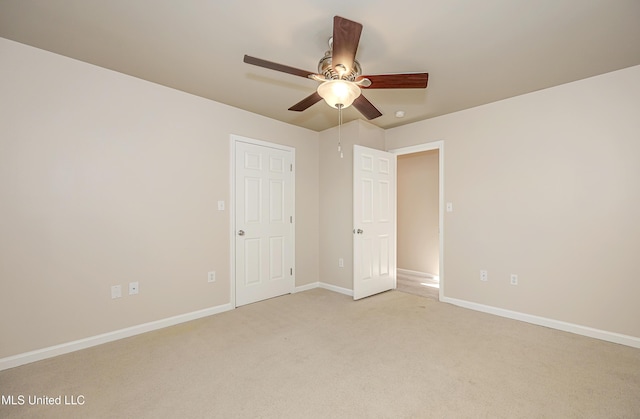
(553, 324)
(408, 272)
(335, 288)
(50, 352)
(325, 286)
(306, 287)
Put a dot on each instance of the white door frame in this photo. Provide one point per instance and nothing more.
(435, 145)
(233, 139)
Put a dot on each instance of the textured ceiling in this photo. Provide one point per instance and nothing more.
(475, 52)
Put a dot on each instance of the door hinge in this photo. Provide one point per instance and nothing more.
(291, 219)
(291, 271)
(291, 167)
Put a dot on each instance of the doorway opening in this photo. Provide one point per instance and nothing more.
(419, 219)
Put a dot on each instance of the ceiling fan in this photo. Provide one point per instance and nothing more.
(341, 76)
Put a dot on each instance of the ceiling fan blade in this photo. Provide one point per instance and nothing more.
(398, 81)
(307, 102)
(346, 36)
(366, 108)
(277, 67)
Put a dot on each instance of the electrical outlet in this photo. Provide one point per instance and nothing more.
(514, 279)
(340, 263)
(484, 275)
(134, 288)
(116, 291)
(211, 277)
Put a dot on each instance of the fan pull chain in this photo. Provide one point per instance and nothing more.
(340, 130)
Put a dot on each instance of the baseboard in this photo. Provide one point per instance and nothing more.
(40, 354)
(306, 287)
(335, 288)
(325, 286)
(553, 324)
(50, 352)
(408, 272)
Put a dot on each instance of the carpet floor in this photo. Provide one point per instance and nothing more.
(319, 354)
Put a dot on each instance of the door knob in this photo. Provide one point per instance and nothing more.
(241, 233)
(360, 231)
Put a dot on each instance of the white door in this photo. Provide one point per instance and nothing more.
(374, 221)
(264, 203)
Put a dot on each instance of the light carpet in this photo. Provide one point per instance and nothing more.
(319, 354)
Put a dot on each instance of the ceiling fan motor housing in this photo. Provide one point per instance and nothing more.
(326, 69)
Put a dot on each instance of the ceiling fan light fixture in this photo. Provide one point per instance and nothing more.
(341, 74)
(339, 93)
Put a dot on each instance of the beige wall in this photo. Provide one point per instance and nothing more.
(107, 179)
(418, 238)
(546, 186)
(336, 203)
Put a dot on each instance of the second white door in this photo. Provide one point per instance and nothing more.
(374, 221)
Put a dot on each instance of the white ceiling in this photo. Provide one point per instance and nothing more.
(475, 51)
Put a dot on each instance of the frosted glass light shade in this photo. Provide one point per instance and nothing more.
(338, 92)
